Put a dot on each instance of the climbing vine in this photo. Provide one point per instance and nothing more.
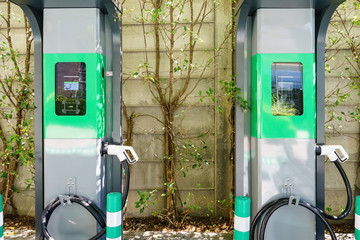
(16, 107)
(343, 78)
(177, 27)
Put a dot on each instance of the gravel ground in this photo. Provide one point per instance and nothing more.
(205, 236)
(342, 236)
(148, 235)
(19, 234)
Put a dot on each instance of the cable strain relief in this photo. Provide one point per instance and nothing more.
(104, 148)
(318, 150)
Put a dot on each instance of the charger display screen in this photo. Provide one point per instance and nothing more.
(287, 88)
(70, 88)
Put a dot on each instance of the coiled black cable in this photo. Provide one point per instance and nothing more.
(304, 204)
(94, 210)
(91, 207)
(272, 206)
(259, 214)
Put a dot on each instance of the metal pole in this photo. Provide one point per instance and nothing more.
(242, 218)
(113, 216)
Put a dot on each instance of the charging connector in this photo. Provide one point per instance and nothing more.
(333, 152)
(122, 152)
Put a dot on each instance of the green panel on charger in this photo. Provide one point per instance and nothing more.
(295, 120)
(74, 96)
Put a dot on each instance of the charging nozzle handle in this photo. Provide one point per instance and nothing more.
(333, 152)
(131, 159)
(122, 152)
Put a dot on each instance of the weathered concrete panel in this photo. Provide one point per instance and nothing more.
(333, 178)
(198, 177)
(132, 60)
(224, 131)
(196, 119)
(18, 39)
(336, 200)
(150, 146)
(334, 38)
(347, 5)
(134, 40)
(346, 125)
(333, 83)
(202, 144)
(197, 85)
(337, 63)
(147, 175)
(9, 65)
(17, 15)
(132, 11)
(136, 92)
(24, 200)
(145, 123)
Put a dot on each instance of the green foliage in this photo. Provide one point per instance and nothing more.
(190, 206)
(209, 93)
(170, 189)
(16, 101)
(345, 24)
(227, 202)
(191, 157)
(16, 109)
(233, 93)
(145, 200)
(328, 209)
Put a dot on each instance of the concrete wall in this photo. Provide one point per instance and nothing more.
(211, 183)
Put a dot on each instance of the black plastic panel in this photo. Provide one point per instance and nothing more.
(70, 88)
(287, 89)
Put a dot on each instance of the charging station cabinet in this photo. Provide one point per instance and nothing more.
(283, 113)
(280, 69)
(77, 55)
(74, 115)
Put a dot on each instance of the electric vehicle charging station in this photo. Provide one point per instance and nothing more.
(77, 55)
(280, 48)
